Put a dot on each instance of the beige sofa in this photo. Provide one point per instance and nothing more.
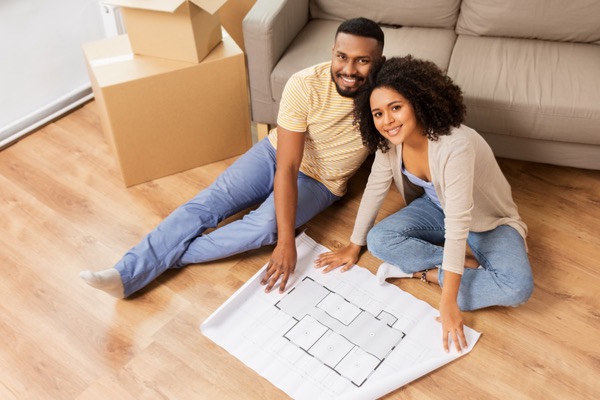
(530, 70)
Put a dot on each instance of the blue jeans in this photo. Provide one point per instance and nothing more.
(413, 237)
(178, 240)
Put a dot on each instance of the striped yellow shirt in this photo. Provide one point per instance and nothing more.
(333, 150)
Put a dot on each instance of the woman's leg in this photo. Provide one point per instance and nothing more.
(259, 227)
(411, 238)
(248, 181)
(505, 277)
(408, 239)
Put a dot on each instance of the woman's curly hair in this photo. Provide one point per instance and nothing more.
(436, 100)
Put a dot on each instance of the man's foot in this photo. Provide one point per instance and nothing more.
(390, 271)
(108, 280)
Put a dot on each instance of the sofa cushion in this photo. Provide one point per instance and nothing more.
(427, 43)
(529, 88)
(425, 13)
(569, 21)
(315, 42)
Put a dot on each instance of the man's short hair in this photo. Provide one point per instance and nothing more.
(362, 27)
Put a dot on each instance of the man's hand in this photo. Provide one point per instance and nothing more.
(281, 265)
(345, 257)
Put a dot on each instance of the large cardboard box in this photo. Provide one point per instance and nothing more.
(232, 14)
(164, 116)
(184, 30)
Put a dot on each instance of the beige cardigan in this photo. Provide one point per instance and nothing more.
(472, 190)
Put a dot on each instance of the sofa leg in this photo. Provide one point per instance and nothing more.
(262, 130)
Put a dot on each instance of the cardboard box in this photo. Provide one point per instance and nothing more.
(232, 14)
(164, 116)
(184, 30)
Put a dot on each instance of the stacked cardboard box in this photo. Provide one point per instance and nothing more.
(170, 105)
(232, 15)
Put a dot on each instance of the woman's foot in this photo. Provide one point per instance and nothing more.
(429, 276)
(108, 280)
(386, 270)
(471, 262)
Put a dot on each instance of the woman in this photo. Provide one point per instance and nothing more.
(411, 114)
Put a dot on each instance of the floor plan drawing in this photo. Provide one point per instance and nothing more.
(331, 336)
(344, 337)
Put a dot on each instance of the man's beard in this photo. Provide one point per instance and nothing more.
(345, 92)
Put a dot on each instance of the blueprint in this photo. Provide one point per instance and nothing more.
(329, 336)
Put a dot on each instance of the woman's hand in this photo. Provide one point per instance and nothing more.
(450, 316)
(345, 257)
(452, 326)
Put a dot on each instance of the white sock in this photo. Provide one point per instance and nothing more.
(108, 280)
(386, 270)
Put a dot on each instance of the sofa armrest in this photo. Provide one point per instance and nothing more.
(269, 28)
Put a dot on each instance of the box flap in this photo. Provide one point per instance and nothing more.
(210, 6)
(113, 62)
(155, 5)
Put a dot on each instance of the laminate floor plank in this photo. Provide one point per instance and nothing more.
(64, 209)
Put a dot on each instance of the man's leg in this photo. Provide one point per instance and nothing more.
(504, 278)
(259, 227)
(246, 182)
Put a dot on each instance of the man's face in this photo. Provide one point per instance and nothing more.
(353, 58)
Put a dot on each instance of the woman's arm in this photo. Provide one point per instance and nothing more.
(376, 189)
(450, 316)
(457, 175)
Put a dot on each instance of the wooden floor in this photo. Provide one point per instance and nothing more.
(63, 209)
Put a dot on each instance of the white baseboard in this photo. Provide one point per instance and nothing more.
(16, 130)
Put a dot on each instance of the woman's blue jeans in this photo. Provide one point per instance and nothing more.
(412, 240)
(178, 240)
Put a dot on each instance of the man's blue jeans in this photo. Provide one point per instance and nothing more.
(412, 239)
(178, 240)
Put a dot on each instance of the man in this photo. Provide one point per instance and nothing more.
(294, 174)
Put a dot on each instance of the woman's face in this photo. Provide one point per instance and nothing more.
(394, 116)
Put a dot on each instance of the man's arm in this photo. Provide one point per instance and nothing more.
(290, 149)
